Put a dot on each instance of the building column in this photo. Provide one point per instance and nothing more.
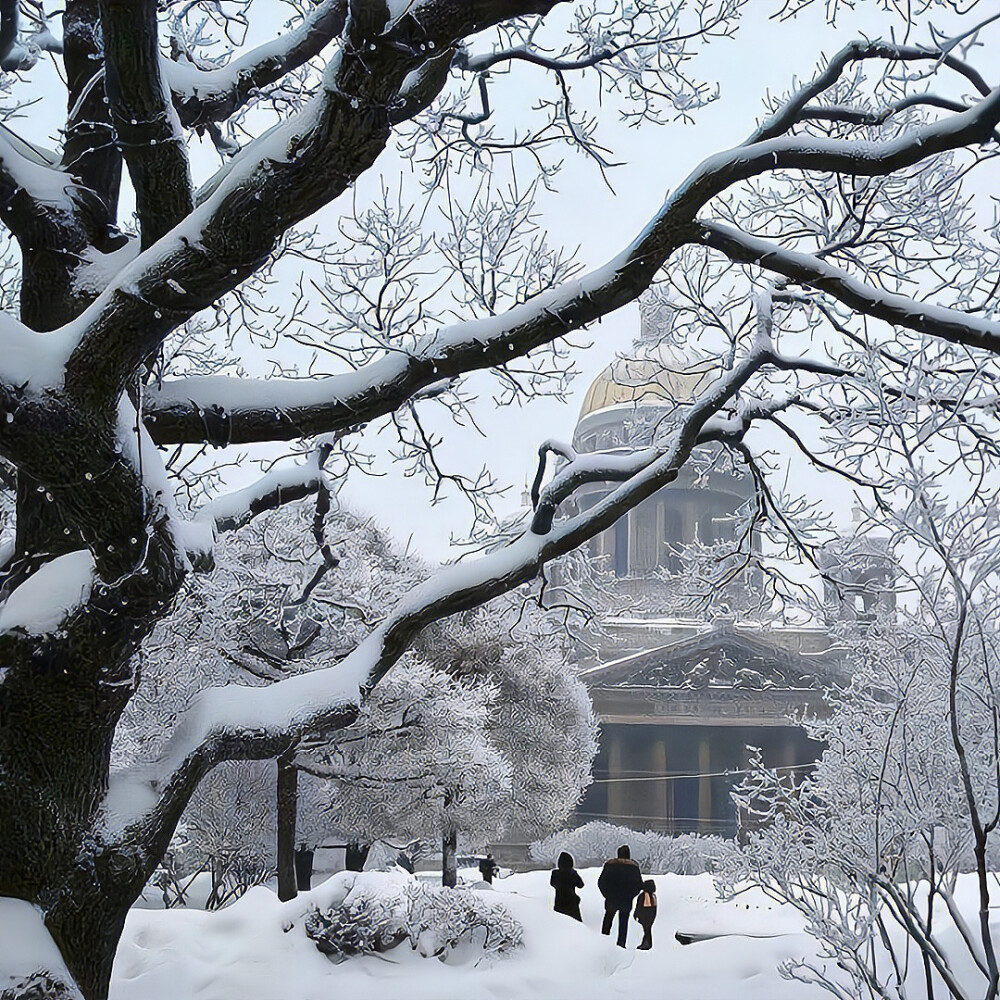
(704, 786)
(657, 797)
(616, 789)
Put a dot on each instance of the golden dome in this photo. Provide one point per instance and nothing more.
(646, 382)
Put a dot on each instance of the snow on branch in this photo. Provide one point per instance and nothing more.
(283, 484)
(797, 107)
(283, 409)
(28, 357)
(204, 96)
(232, 722)
(278, 180)
(28, 955)
(848, 156)
(27, 173)
(46, 599)
(952, 325)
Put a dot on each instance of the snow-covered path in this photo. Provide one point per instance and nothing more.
(244, 952)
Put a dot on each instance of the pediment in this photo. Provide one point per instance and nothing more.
(717, 657)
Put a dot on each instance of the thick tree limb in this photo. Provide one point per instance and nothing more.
(146, 126)
(33, 176)
(256, 723)
(952, 325)
(89, 151)
(52, 218)
(214, 95)
(297, 408)
(280, 179)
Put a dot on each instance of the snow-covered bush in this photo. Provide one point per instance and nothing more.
(436, 921)
(871, 843)
(593, 843)
(364, 926)
(40, 986)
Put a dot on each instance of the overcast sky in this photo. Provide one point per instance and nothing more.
(765, 55)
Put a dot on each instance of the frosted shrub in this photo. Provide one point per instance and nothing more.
(593, 843)
(437, 922)
(40, 986)
(363, 926)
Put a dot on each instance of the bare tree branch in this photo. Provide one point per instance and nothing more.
(280, 486)
(792, 110)
(293, 410)
(952, 325)
(249, 723)
(277, 181)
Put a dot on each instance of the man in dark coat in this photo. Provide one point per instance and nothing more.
(620, 882)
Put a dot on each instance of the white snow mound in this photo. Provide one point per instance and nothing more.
(257, 948)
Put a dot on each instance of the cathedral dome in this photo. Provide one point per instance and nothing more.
(665, 381)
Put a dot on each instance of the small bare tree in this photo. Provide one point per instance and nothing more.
(870, 846)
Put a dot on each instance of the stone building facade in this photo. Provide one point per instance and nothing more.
(681, 692)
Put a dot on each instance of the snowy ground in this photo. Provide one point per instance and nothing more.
(244, 951)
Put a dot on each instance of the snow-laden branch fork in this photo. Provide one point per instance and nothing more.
(250, 723)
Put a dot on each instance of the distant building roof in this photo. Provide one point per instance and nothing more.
(667, 380)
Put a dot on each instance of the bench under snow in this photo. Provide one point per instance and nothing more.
(686, 937)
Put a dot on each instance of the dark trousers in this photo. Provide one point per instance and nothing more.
(609, 917)
(647, 937)
(570, 909)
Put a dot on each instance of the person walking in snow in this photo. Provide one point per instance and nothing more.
(488, 868)
(645, 913)
(565, 879)
(620, 882)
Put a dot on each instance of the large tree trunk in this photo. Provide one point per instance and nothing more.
(355, 856)
(65, 698)
(63, 692)
(288, 778)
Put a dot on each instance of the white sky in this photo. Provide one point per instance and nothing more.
(766, 55)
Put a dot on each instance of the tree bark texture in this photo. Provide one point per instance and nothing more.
(287, 805)
(449, 859)
(355, 856)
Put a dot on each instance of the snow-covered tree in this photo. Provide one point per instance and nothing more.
(421, 765)
(132, 338)
(906, 796)
(482, 728)
(497, 737)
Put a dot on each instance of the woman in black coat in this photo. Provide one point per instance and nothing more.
(645, 913)
(565, 879)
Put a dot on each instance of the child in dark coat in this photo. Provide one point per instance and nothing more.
(645, 912)
(566, 880)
